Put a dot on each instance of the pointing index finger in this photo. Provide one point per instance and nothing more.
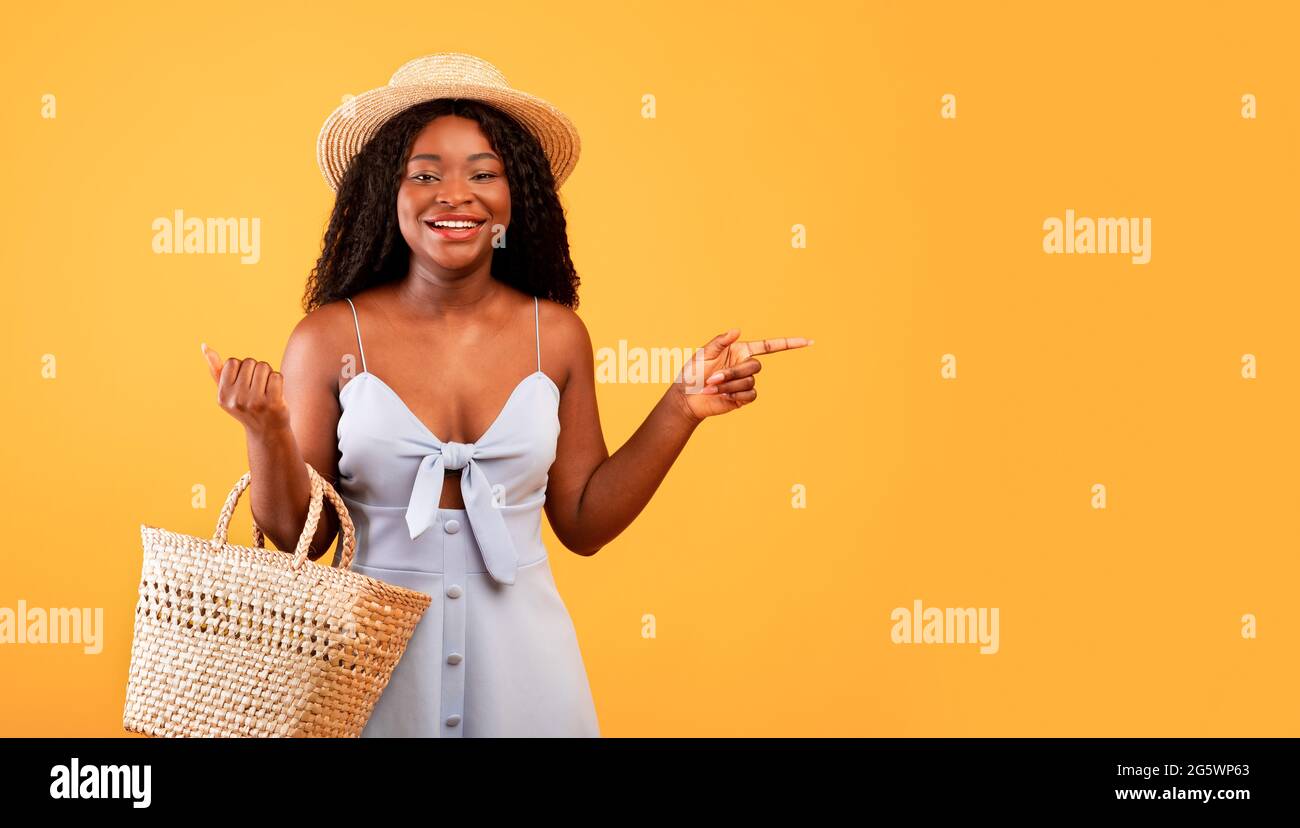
(771, 346)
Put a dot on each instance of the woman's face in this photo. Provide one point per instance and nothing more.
(452, 171)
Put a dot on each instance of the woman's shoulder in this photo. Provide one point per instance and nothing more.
(562, 322)
(565, 339)
(321, 340)
(322, 322)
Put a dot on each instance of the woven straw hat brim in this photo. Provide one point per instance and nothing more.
(353, 123)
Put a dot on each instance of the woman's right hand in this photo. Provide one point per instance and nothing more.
(250, 391)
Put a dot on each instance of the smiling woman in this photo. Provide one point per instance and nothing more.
(456, 519)
(474, 409)
(416, 246)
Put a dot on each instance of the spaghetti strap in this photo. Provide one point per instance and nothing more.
(537, 330)
(359, 345)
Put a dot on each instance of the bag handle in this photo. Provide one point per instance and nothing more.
(320, 489)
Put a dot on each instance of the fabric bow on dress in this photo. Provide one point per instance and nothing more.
(489, 525)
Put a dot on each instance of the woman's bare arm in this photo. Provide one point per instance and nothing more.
(290, 418)
(593, 496)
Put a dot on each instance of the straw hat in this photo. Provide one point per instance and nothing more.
(443, 75)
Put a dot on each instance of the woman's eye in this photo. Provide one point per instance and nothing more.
(425, 176)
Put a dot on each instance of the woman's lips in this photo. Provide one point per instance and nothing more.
(456, 234)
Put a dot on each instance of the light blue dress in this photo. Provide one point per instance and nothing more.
(496, 653)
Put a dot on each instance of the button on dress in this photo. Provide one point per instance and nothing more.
(496, 654)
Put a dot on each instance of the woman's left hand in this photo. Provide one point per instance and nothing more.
(720, 376)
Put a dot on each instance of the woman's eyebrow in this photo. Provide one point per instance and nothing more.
(431, 157)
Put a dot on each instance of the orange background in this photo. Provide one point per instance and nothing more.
(924, 239)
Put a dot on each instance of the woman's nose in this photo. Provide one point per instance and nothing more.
(453, 192)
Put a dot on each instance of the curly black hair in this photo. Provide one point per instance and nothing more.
(363, 244)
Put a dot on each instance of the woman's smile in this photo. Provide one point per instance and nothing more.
(456, 228)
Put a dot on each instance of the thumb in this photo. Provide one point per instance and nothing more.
(214, 361)
(719, 343)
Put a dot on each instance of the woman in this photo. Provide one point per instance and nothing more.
(445, 277)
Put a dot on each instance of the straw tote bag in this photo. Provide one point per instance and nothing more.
(246, 641)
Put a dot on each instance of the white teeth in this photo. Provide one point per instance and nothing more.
(457, 225)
